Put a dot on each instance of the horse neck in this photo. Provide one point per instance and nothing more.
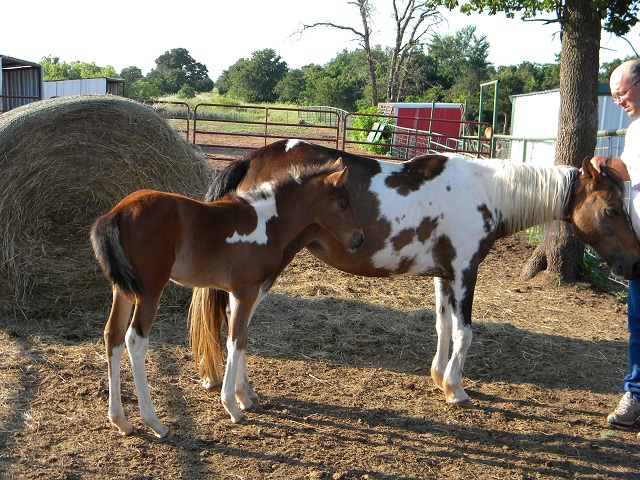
(295, 211)
(525, 196)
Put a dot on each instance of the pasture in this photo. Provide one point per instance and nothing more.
(341, 364)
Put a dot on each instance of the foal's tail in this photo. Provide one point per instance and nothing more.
(105, 239)
(207, 312)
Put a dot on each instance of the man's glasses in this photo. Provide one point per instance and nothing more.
(618, 97)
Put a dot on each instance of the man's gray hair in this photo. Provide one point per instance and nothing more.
(634, 72)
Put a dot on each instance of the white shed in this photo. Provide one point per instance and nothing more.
(99, 86)
(535, 115)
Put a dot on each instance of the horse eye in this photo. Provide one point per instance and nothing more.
(343, 204)
(611, 212)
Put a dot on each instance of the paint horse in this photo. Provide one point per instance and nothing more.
(438, 216)
(239, 244)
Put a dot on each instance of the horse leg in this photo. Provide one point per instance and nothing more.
(114, 334)
(443, 328)
(243, 383)
(235, 384)
(250, 399)
(137, 339)
(461, 335)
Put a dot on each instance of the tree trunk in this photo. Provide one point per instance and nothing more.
(561, 254)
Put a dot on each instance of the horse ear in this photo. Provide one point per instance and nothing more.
(338, 178)
(587, 168)
(342, 177)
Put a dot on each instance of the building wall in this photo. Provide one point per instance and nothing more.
(19, 81)
(536, 116)
(64, 88)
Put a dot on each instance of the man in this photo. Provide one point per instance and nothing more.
(625, 89)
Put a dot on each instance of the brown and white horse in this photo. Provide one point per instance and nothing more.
(239, 244)
(438, 216)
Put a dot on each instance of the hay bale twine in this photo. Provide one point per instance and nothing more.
(63, 163)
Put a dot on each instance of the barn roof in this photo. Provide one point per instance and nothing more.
(11, 62)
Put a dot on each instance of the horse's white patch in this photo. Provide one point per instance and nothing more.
(437, 199)
(291, 143)
(115, 399)
(265, 208)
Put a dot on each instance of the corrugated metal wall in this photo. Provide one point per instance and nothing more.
(83, 86)
(23, 81)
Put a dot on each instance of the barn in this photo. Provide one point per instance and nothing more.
(21, 82)
(442, 120)
(535, 118)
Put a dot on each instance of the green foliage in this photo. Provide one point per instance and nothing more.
(186, 91)
(622, 296)
(364, 124)
(461, 64)
(591, 270)
(254, 80)
(177, 68)
(142, 90)
(54, 69)
(291, 88)
(618, 16)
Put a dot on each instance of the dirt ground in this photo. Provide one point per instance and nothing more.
(342, 367)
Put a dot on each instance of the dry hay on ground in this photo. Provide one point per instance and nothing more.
(341, 364)
(64, 162)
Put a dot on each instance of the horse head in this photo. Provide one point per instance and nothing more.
(599, 218)
(338, 206)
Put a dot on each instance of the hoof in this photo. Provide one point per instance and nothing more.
(209, 385)
(254, 406)
(241, 419)
(466, 404)
(124, 427)
(127, 432)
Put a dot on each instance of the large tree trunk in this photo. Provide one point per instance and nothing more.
(561, 254)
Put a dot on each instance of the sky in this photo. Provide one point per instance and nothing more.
(218, 33)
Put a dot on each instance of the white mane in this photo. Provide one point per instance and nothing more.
(525, 195)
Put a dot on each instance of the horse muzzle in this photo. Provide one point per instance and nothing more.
(355, 240)
(623, 270)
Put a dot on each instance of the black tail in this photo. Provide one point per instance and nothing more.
(227, 180)
(105, 238)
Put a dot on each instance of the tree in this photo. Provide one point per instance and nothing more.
(461, 64)
(291, 88)
(54, 69)
(524, 78)
(411, 28)
(364, 38)
(176, 68)
(581, 22)
(136, 86)
(255, 80)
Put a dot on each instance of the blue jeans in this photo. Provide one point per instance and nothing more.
(631, 383)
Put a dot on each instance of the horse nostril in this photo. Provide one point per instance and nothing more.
(356, 240)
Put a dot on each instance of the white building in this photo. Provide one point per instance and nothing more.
(535, 116)
(99, 86)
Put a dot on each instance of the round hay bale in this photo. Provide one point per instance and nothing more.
(64, 162)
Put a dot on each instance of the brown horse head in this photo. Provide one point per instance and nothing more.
(338, 206)
(599, 217)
